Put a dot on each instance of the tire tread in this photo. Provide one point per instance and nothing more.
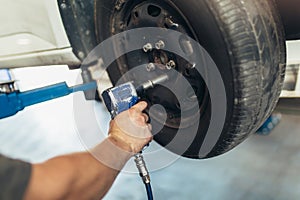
(260, 38)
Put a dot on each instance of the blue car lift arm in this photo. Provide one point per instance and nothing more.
(15, 101)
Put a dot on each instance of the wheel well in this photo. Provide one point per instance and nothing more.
(290, 15)
(78, 20)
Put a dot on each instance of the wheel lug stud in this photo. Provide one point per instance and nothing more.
(160, 45)
(150, 67)
(170, 65)
(147, 47)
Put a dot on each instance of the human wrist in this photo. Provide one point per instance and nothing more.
(121, 143)
(108, 153)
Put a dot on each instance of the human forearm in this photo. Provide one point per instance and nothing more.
(89, 175)
(78, 176)
(102, 165)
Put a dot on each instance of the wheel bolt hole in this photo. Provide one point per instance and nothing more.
(154, 11)
(187, 72)
(136, 14)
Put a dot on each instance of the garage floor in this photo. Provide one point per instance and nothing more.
(262, 168)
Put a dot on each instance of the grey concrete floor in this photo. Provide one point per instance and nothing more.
(262, 168)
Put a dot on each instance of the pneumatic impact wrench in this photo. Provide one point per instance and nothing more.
(122, 98)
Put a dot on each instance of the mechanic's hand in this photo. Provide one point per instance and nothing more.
(130, 130)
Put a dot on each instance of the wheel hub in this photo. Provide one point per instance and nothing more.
(192, 100)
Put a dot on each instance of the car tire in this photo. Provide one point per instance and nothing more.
(246, 41)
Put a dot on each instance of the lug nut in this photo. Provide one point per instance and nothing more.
(147, 47)
(171, 65)
(160, 45)
(150, 67)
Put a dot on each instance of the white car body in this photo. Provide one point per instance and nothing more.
(32, 34)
